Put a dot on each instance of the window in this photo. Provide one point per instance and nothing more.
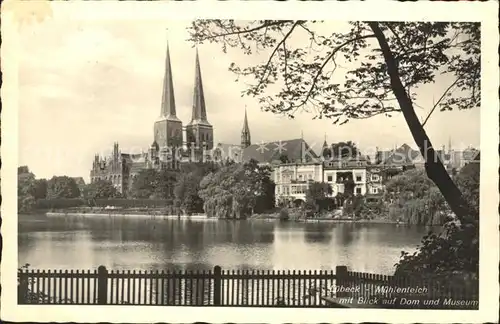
(375, 190)
(330, 178)
(358, 178)
(375, 177)
(358, 190)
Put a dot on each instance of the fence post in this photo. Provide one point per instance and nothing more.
(22, 288)
(341, 277)
(102, 285)
(217, 285)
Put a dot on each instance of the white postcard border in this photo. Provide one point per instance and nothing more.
(374, 10)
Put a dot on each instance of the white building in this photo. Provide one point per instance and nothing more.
(338, 171)
(292, 180)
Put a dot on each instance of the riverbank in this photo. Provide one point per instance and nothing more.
(324, 220)
(159, 215)
(115, 214)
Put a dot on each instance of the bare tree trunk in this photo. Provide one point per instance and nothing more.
(433, 165)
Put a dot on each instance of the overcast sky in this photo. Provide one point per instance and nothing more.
(86, 84)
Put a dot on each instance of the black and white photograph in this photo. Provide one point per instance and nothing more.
(188, 163)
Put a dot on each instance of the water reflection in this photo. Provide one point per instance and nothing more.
(160, 244)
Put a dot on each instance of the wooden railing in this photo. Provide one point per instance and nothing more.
(219, 287)
(201, 288)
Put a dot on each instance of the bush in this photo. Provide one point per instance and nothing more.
(284, 214)
(66, 203)
(134, 203)
(59, 203)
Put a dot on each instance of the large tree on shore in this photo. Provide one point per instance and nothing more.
(387, 62)
(25, 187)
(100, 189)
(62, 187)
(234, 190)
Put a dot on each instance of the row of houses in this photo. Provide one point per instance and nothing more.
(295, 166)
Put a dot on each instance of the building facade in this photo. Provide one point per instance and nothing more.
(292, 181)
(341, 171)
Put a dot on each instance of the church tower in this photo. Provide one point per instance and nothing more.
(326, 151)
(199, 132)
(167, 128)
(245, 133)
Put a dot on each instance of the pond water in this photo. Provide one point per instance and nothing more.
(160, 244)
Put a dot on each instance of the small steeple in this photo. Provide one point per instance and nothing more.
(199, 109)
(168, 98)
(449, 144)
(325, 144)
(245, 132)
(326, 151)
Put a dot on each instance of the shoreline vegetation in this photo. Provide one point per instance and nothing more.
(160, 214)
(236, 191)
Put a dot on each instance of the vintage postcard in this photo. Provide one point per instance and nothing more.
(249, 162)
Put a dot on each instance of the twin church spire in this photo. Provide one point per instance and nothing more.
(168, 108)
(168, 129)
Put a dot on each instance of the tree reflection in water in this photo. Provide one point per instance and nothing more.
(148, 243)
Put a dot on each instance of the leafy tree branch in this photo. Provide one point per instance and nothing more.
(384, 64)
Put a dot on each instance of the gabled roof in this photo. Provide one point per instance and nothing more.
(224, 151)
(404, 155)
(296, 150)
(472, 165)
(470, 154)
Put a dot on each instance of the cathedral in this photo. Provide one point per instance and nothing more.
(173, 143)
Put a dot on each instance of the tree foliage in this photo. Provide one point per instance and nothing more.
(386, 63)
(40, 189)
(188, 184)
(144, 185)
(354, 206)
(62, 187)
(416, 198)
(166, 184)
(25, 188)
(233, 191)
(468, 182)
(154, 184)
(344, 150)
(383, 64)
(100, 189)
(317, 196)
(305, 70)
(186, 193)
(454, 251)
(265, 199)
